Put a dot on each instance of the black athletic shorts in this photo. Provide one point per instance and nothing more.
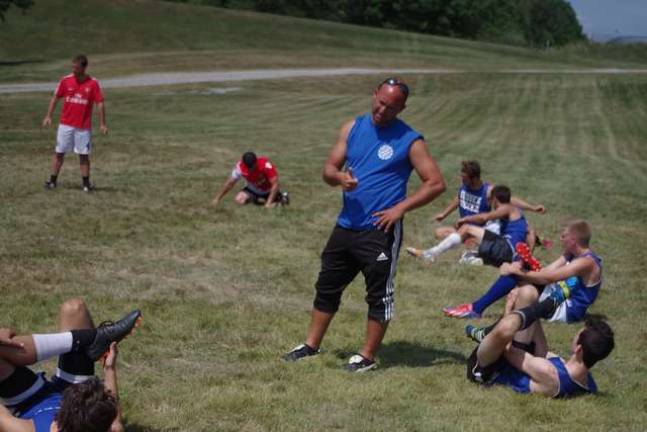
(260, 198)
(375, 254)
(486, 375)
(495, 249)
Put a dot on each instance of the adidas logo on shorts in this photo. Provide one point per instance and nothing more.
(382, 257)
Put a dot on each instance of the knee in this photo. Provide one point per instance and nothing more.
(73, 307)
(526, 295)
(507, 327)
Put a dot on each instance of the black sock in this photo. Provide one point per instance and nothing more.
(532, 313)
(17, 383)
(82, 339)
(76, 364)
(52, 178)
(86, 181)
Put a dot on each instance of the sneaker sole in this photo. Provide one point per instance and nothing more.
(364, 369)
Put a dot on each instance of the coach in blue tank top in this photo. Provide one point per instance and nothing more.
(371, 161)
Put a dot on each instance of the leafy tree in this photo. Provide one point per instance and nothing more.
(21, 4)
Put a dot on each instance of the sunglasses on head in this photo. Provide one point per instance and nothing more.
(396, 82)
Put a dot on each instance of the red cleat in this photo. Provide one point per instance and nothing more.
(529, 261)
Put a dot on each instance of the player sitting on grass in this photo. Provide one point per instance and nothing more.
(74, 400)
(579, 269)
(473, 198)
(262, 183)
(494, 249)
(513, 352)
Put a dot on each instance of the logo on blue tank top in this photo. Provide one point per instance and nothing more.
(385, 152)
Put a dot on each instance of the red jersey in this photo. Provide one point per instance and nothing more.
(79, 100)
(259, 178)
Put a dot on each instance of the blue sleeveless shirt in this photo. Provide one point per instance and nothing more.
(520, 382)
(379, 158)
(581, 296)
(473, 201)
(514, 231)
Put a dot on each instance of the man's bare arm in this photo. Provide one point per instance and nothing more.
(102, 118)
(502, 212)
(273, 191)
(518, 202)
(450, 208)
(541, 371)
(332, 172)
(226, 187)
(9, 423)
(579, 267)
(47, 121)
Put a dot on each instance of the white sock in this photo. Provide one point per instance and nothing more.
(52, 345)
(451, 241)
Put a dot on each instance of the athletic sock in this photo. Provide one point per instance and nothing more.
(53, 178)
(451, 241)
(501, 287)
(52, 345)
(19, 386)
(544, 309)
(86, 181)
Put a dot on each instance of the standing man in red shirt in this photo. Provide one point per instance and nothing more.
(262, 182)
(81, 92)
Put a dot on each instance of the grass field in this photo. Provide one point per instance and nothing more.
(225, 292)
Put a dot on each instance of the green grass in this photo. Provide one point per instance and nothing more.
(225, 292)
(124, 37)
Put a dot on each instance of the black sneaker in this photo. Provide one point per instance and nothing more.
(299, 352)
(359, 363)
(88, 188)
(109, 332)
(477, 334)
(50, 184)
(285, 198)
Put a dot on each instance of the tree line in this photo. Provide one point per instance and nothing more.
(537, 23)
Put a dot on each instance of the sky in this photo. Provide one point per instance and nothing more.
(611, 18)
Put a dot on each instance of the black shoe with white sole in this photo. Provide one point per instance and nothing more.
(299, 352)
(359, 363)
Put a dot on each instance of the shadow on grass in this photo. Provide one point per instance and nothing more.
(19, 62)
(134, 427)
(404, 353)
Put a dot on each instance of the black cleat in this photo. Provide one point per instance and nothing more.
(109, 332)
(88, 188)
(299, 352)
(359, 363)
(50, 184)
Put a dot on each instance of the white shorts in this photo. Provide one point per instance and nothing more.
(69, 137)
(560, 312)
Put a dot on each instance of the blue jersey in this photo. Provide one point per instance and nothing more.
(581, 295)
(520, 382)
(44, 412)
(473, 201)
(514, 231)
(379, 158)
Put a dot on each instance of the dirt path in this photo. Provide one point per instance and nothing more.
(155, 79)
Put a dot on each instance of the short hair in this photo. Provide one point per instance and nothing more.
(596, 340)
(87, 407)
(396, 82)
(249, 159)
(501, 193)
(581, 230)
(471, 168)
(81, 59)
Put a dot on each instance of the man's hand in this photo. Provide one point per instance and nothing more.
(511, 268)
(439, 217)
(110, 362)
(214, 202)
(6, 338)
(347, 181)
(270, 205)
(104, 129)
(47, 121)
(539, 209)
(386, 218)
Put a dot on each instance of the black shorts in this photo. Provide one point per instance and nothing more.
(375, 254)
(260, 198)
(486, 375)
(495, 249)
